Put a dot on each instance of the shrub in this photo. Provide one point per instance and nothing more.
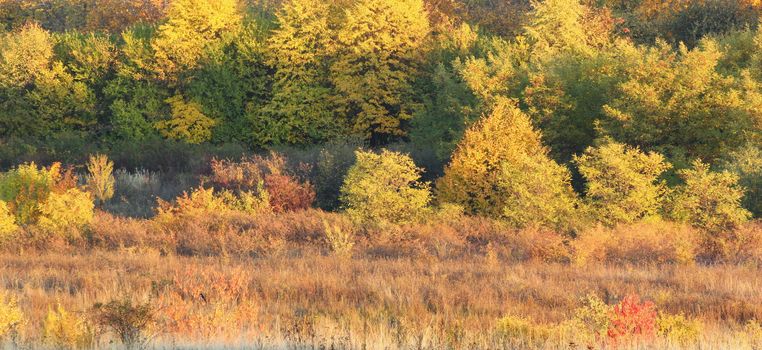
(678, 329)
(26, 186)
(65, 214)
(64, 330)
(501, 169)
(747, 163)
(7, 223)
(632, 318)
(654, 242)
(100, 177)
(11, 317)
(622, 183)
(753, 333)
(384, 188)
(594, 316)
(709, 200)
(257, 173)
(131, 323)
(340, 240)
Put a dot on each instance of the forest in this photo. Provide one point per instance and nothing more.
(380, 174)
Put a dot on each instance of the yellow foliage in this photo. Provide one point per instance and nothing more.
(7, 222)
(25, 187)
(187, 122)
(64, 330)
(100, 178)
(380, 51)
(622, 183)
(11, 317)
(65, 214)
(678, 329)
(339, 239)
(193, 28)
(385, 187)
(521, 330)
(501, 169)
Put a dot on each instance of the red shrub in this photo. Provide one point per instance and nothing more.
(288, 194)
(631, 318)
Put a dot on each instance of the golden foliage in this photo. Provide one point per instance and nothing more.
(64, 330)
(100, 178)
(65, 214)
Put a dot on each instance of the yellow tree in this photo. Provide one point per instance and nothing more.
(300, 49)
(192, 29)
(501, 169)
(378, 58)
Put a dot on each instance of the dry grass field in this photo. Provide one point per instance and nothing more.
(302, 299)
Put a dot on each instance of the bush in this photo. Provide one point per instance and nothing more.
(257, 173)
(7, 223)
(747, 163)
(11, 317)
(633, 319)
(641, 243)
(66, 214)
(622, 183)
(25, 187)
(100, 177)
(131, 323)
(678, 329)
(709, 200)
(501, 169)
(63, 330)
(340, 240)
(384, 188)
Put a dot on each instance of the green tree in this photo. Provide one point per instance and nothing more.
(379, 56)
(384, 188)
(496, 168)
(622, 183)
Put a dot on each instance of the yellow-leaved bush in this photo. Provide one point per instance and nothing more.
(7, 223)
(622, 183)
(64, 330)
(11, 317)
(501, 169)
(65, 214)
(385, 187)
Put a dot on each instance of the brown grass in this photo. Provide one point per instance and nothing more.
(380, 303)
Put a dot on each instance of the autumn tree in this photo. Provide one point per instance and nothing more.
(676, 103)
(496, 168)
(747, 164)
(193, 29)
(300, 49)
(709, 200)
(380, 45)
(622, 183)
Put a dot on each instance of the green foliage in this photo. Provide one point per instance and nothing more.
(622, 183)
(384, 187)
(747, 164)
(709, 200)
(380, 51)
(64, 330)
(501, 169)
